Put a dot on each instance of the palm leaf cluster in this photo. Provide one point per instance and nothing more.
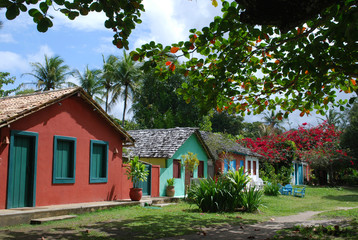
(116, 80)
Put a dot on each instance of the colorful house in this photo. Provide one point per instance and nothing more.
(301, 173)
(59, 147)
(165, 147)
(228, 154)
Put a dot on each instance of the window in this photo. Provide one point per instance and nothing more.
(226, 166)
(99, 161)
(254, 167)
(249, 167)
(176, 169)
(233, 165)
(201, 169)
(64, 159)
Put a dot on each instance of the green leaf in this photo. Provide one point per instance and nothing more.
(43, 7)
(72, 15)
(43, 25)
(59, 2)
(23, 8)
(5, 3)
(12, 12)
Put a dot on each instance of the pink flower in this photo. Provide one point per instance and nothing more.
(304, 124)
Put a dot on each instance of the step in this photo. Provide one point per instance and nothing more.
(162, 204)
(48, 219)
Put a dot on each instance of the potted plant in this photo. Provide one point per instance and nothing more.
(170, 188)
(137, 173)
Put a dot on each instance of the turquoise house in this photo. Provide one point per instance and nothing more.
(166, 147)
(300, 173)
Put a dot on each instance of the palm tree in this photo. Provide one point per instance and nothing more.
(334, 117)
(127, 75)
(90, 81)
(108, 77)
(273, 124)
(51, 75)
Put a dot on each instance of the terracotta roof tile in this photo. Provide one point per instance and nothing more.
(12, 106)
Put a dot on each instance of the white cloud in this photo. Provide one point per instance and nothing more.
(39, 55)
(7, 38)
(11, 62)
(106, 47)
(170, 21)
(94, 21)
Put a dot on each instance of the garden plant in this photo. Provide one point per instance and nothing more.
(226, 194)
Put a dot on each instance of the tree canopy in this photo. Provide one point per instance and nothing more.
(157, 104)
(51, 75)
(295, 55)
(5, 79)
(122, 15)
(249, 68)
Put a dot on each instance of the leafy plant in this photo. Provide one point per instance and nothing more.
(251, 199)
(223, 195)
(271, 189)
(136, 171)
(170, 181)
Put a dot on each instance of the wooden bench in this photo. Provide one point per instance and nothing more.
(299, 192)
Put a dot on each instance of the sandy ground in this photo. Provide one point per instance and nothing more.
(261, 231)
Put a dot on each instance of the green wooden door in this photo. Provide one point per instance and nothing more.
(22, 170)
(146, 185)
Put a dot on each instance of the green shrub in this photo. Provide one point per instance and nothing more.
(276, 172)
(271, 189)
(251, 199)
(224, 195)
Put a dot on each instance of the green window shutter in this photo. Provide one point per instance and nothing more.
(99, 161)
(64, 159)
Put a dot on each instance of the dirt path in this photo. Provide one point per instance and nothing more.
(260, 231)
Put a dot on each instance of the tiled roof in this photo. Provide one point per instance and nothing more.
(12, 106)
(16, 107)
(161, 143)
(218, 143)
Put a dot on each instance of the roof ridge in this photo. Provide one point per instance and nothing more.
(38, 93)
(165, 129)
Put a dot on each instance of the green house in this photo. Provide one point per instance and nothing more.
(165, 147)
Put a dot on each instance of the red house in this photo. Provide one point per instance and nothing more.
(59, 147)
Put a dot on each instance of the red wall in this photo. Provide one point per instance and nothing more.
(219, 164)
(73, 118)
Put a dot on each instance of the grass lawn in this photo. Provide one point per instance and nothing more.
(151, 223)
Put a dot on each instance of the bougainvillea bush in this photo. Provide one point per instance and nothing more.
(319, 146)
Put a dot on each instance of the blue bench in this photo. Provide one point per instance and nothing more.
(286, 190)
(299, 192)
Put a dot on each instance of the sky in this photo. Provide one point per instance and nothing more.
(83, 41)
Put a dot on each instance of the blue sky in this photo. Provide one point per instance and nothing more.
(84, 40)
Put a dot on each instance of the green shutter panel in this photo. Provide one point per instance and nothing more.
(65, 159)
(99, 161)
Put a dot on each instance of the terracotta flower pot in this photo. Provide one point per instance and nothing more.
(170, 191)
(135, 194)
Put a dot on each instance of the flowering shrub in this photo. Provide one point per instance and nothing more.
(318, 146)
